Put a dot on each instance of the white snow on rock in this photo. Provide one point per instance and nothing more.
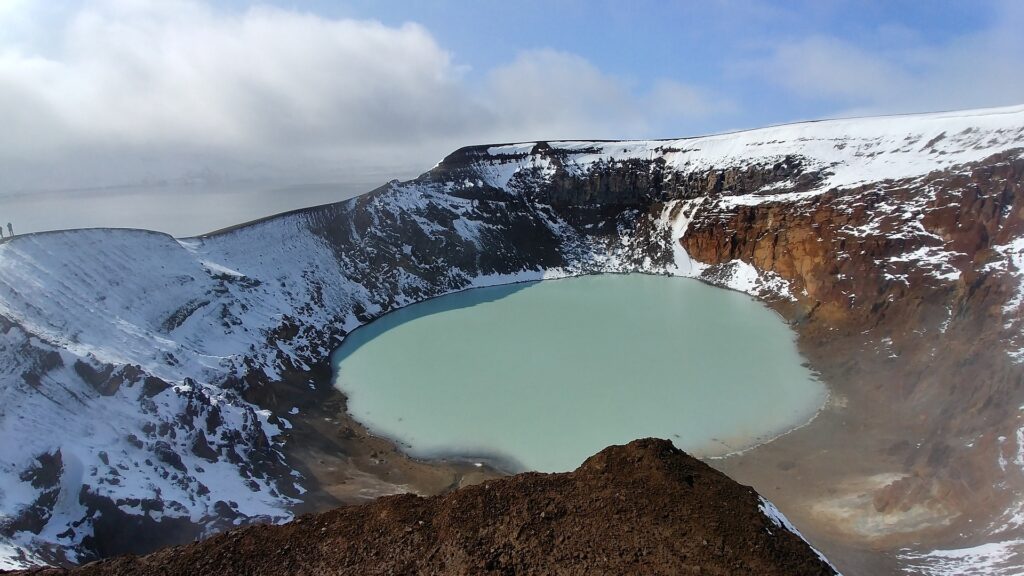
(933, 258)
(780, 521)
(1004, 558)
(860, 150)
(675, 219)
(1012, 263)
(14, 557)
(854, 150)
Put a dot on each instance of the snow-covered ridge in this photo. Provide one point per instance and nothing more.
(122, 352)
(853, 151)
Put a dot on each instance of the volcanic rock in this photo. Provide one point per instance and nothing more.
(642, 508)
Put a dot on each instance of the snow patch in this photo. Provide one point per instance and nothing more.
(1004, 558)
(780, 521)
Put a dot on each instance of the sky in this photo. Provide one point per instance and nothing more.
(126, 93)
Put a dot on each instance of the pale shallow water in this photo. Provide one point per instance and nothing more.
(541, 375)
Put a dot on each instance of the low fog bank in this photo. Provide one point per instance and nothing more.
(180, 210)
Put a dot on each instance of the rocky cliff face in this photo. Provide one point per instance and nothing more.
(642, 508)
(150, 384)
(905, 296)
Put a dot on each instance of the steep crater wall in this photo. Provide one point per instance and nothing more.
(195, 352)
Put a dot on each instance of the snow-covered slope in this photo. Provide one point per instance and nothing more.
(125, 355)
(850, 151)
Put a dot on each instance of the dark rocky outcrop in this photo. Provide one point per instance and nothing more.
(643, 508)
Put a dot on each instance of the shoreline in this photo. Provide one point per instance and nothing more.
(830, 438)
(709, 444)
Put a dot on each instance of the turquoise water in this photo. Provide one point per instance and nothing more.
(541, 375)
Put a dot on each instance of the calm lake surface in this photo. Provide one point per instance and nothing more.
(541, 375)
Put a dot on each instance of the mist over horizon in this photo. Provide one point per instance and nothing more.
(122, 112)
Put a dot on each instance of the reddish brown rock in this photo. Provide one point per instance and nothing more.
(927, 353)
(643, 508)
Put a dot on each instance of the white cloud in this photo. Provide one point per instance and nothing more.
(672, 100)
(146, 90)
(898, 71)
(822, 67)
(179, 73)
(126, 90)
(549, 94)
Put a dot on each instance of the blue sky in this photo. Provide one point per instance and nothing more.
(123, 91)
(710, 44)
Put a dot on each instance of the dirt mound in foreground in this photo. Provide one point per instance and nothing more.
(643, 508)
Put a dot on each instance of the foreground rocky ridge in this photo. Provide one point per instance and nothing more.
(165, 388)
(642, 508)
